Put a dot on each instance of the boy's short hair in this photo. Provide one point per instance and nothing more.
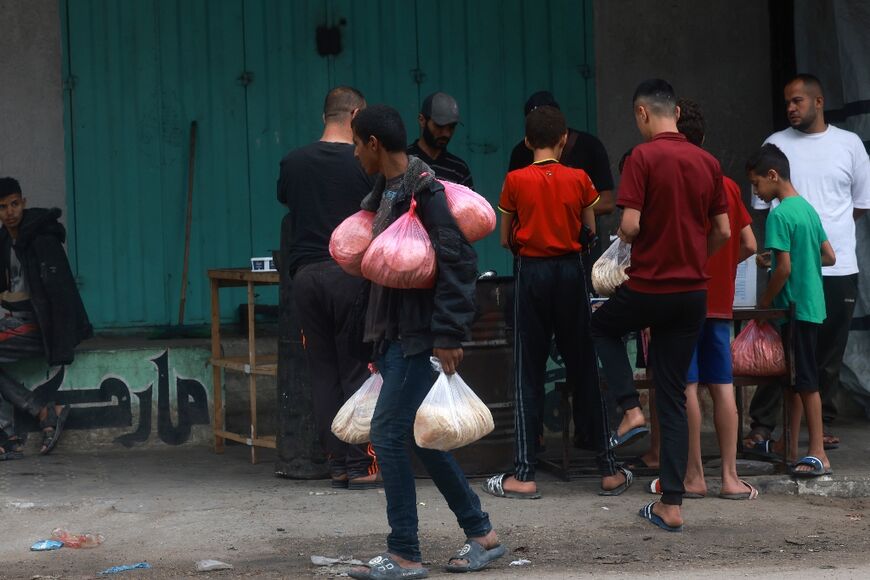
(691, 122)
(8, 186)
(769, 157)
(545, 126)
(384, 124)
(658, 95)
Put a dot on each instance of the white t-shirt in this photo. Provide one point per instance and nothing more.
(830, 170)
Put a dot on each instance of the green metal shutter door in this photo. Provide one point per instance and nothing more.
(491, 55)
(143, 71)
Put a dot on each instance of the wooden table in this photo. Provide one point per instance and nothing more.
(251, 365)
(565, 467)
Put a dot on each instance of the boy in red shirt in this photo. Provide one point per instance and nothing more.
(544, 207)
(711, 363)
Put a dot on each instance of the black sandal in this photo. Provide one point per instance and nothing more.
(53, 421)
(10, 449)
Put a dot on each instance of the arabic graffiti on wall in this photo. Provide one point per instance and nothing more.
(133, 397)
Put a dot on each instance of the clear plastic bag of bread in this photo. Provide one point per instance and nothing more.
(473, 214)
(608, 272)
(353, 422)
(402, 255)
(757, 351)
(451, 415)
(350, 240)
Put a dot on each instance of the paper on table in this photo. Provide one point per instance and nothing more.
(745, 283)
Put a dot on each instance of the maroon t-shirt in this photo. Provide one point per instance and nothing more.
(677, 187)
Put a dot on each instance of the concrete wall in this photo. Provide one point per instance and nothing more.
(715, 53)
(31, 102)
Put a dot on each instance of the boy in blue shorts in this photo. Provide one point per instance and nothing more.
(799, 248)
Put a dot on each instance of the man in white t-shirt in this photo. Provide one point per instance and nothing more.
(831, 170)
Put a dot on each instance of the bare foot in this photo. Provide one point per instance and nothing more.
(489, 541)
(804, 468)
(611, 482)
(670, 514)
(511, 483)
(402, 562)
(735, 486)
(631, 419)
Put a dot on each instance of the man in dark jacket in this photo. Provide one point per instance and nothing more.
(42, 312)
(407, 326)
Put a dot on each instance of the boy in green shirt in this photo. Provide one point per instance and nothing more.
(799, 248)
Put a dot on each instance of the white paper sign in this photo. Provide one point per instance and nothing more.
(745, 283)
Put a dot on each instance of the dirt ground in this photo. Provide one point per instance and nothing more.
(174, 507)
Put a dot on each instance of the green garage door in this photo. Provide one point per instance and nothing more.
(248, 72)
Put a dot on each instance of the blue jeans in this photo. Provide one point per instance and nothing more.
(407, 381)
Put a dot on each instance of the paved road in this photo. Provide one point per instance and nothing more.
(173, 507)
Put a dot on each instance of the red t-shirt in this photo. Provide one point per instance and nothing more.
(722, 266)
(677, 187)
(547, 199)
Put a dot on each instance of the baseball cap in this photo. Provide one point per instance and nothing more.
(441, 108)
(540, 99)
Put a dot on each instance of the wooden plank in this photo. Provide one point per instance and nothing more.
(267, 442)
(217, 395)
(267, 365)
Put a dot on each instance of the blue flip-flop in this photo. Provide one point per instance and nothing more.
(647, 514)
(628, 437)
(476, 556)
(812, 461)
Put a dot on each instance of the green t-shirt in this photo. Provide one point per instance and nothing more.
(794, 227)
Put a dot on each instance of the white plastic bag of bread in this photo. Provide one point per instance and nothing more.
(608, 272)
(353, 422)
(451, 415)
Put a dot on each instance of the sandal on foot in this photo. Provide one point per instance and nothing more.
(338, 483)
(628, 437)
(54, 421)
(495, 486)
(9, 450)
(812, 461)
(655, 488)
(383, 567)
(360, 483)
(763, 450)
(629, 477)
(751, 494)
(647, 514)
(476, 556)
(831, 441)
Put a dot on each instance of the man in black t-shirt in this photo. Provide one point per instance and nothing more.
(322, 184)
(582, 151)
(438, 119)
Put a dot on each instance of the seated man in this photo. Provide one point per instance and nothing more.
(42, 312)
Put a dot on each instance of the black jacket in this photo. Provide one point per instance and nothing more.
(57, 305)
(441, 316)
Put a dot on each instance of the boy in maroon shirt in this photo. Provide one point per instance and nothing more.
(675, 216)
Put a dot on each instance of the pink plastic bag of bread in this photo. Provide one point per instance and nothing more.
(350, 240)
(473, 214)
(402, 256)
(353, 422)
(451, 415)
(757, 351)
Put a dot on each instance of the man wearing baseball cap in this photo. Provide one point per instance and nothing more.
(438, 119)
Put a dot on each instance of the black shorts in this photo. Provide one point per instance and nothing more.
(805, 340)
